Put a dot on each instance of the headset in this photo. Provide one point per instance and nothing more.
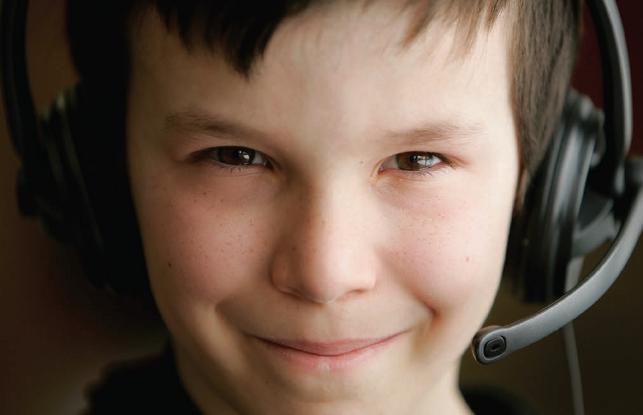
(73, 176)
(585, 192)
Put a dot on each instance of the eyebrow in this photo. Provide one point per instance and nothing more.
(213, 125)
(196, 121)
(437, 131)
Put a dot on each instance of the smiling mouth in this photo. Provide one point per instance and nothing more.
(333, 356)
(329, 349)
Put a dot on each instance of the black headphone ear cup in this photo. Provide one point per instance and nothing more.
(94, 210)
(46, 180)
(71, 216)
(542, 237)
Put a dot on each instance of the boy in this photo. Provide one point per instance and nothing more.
(324, 191)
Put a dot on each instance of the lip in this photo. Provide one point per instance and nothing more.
(333, 355)
(335, 348)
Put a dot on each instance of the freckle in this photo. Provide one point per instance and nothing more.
(169, 265)
(205, 193)
(467, 259)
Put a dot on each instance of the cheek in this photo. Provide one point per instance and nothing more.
(451, 252)
(198, 253)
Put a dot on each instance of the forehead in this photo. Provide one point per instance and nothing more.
(341, 58)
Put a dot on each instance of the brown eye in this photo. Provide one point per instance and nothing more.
(235, 156)
(232, 158)
(417, 161)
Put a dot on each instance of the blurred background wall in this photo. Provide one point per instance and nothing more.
(57, 333)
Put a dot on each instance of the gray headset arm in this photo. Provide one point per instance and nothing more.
(494, 343)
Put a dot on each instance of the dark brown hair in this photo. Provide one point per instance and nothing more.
(543, 49)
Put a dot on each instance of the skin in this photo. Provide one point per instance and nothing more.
(333, 239)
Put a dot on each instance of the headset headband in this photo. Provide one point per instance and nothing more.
(617, 94)
(21, 116)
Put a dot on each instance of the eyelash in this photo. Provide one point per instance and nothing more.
(206, 155)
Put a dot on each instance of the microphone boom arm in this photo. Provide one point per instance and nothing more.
(493, 343)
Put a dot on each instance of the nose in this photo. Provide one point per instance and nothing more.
(327, 251)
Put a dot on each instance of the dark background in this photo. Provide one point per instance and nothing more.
(57, 332)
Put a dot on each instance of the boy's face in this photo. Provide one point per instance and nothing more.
(327, 241)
